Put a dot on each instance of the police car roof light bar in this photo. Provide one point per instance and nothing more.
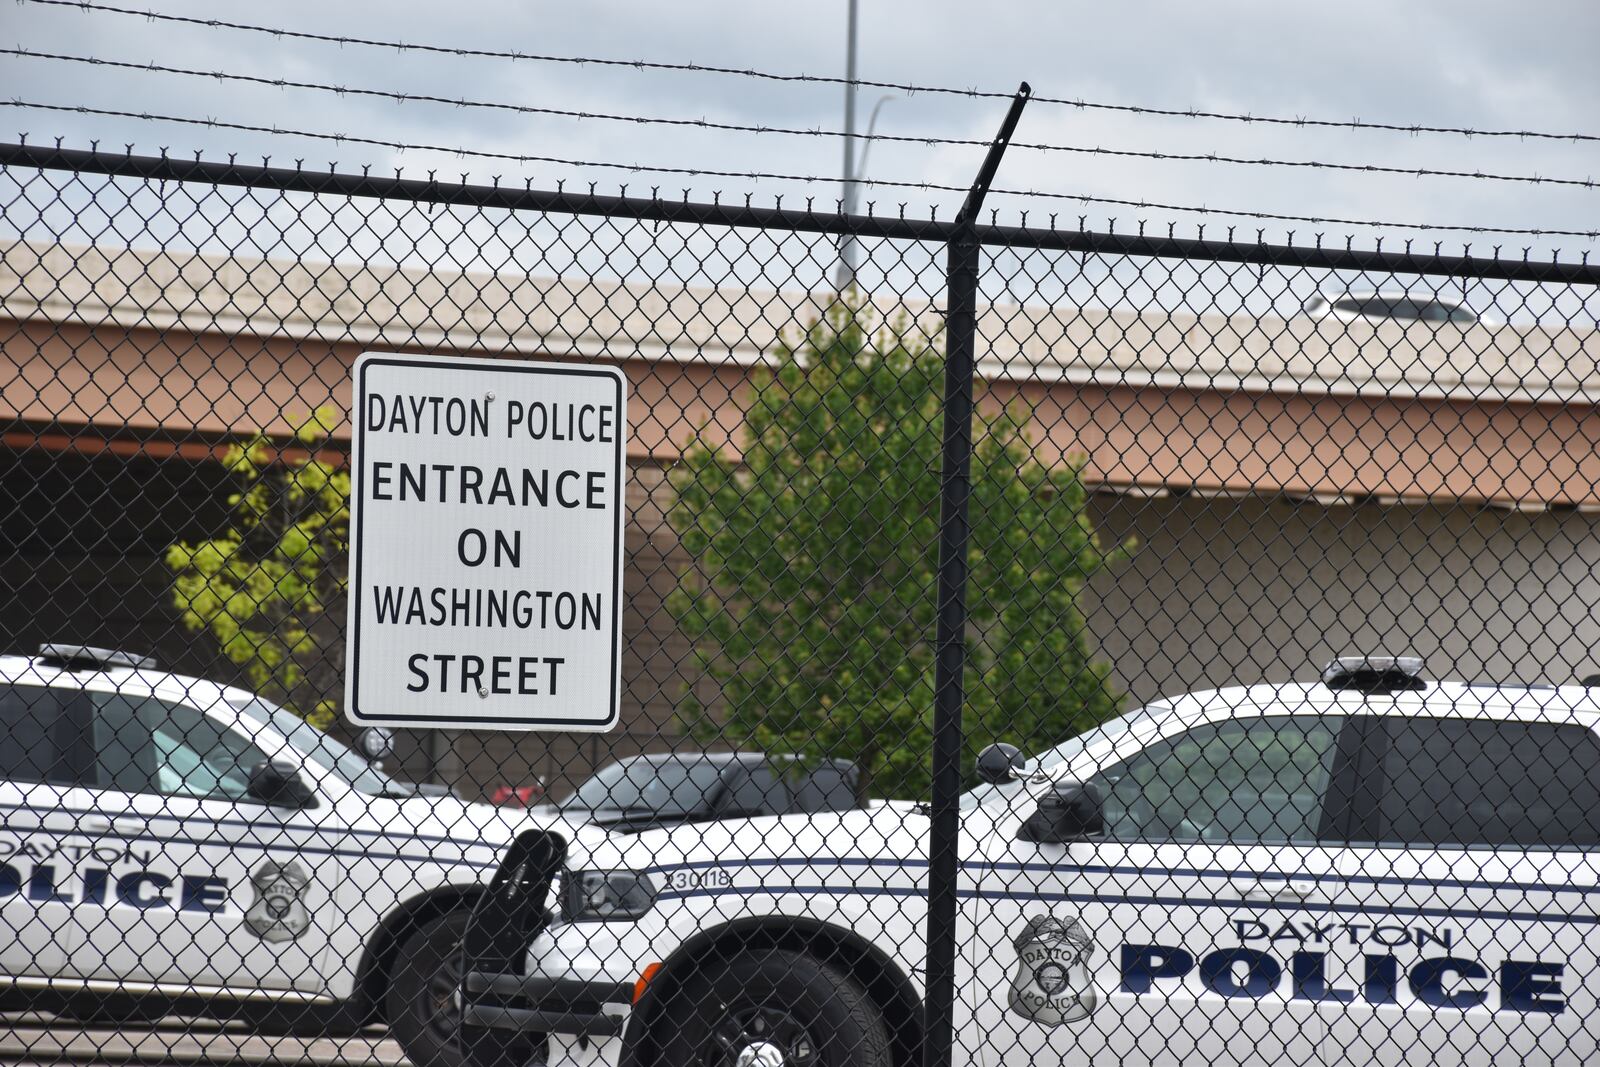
(86, 657)
(1375, 674)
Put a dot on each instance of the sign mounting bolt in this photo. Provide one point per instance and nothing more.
(488, 396)
(483, 694)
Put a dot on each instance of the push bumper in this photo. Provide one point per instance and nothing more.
(541, 1005)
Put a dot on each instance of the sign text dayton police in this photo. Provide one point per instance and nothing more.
(485, 544)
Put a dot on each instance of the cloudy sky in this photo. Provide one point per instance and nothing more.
(1481, 65)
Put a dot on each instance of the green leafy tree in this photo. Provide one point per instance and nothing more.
(270, 588)
(811, 601)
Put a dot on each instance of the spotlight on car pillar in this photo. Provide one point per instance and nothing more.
(376, 743)
(1000, 762)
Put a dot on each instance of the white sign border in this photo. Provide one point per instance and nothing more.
(352, 712)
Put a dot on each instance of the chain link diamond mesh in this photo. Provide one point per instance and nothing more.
(1280, 582)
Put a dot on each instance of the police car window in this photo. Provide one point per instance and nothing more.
(1245, 780)
(322, 750)
(146, 745)
(1463, 782)
(29, 751)
(1106, 732)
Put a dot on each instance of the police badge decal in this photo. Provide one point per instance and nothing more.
(1051, 984)
(279, 911)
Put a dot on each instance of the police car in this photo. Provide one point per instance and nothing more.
(1374, 867)
(168, 843)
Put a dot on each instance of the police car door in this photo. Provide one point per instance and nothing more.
(1473, 920)
(40, 763)
(1161, 940)
(217, 890)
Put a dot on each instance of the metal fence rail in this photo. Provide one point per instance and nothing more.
(1273, 565)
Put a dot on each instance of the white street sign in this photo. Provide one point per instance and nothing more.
(486, 511)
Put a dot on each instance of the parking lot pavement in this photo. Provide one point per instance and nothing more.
(35, 1041)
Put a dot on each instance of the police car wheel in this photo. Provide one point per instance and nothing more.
(421, 1002)
(770, 1009)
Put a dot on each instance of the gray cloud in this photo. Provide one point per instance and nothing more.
(1477, 64)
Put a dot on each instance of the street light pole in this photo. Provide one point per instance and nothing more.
(847, 267)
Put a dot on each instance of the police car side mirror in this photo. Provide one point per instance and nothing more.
(1000, 763)
(279, 783)
(1070, 811)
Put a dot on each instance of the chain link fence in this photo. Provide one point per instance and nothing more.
(1217, 690)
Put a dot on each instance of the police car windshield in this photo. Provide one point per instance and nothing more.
(673, 784)
(1067, 750)
(323, 750)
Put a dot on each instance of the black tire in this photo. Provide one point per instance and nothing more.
(814, 1015)
(421, 1006)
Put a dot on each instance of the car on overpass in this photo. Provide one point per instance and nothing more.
(1393, 306)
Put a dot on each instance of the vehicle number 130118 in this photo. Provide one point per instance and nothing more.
(697, 879)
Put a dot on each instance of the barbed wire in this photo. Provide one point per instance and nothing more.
(708, 124)
(905, 87)
(1081, 198)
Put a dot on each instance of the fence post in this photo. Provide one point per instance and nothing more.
(944, 862)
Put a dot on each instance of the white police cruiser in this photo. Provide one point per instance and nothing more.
(1375, 868)
(168, 843)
